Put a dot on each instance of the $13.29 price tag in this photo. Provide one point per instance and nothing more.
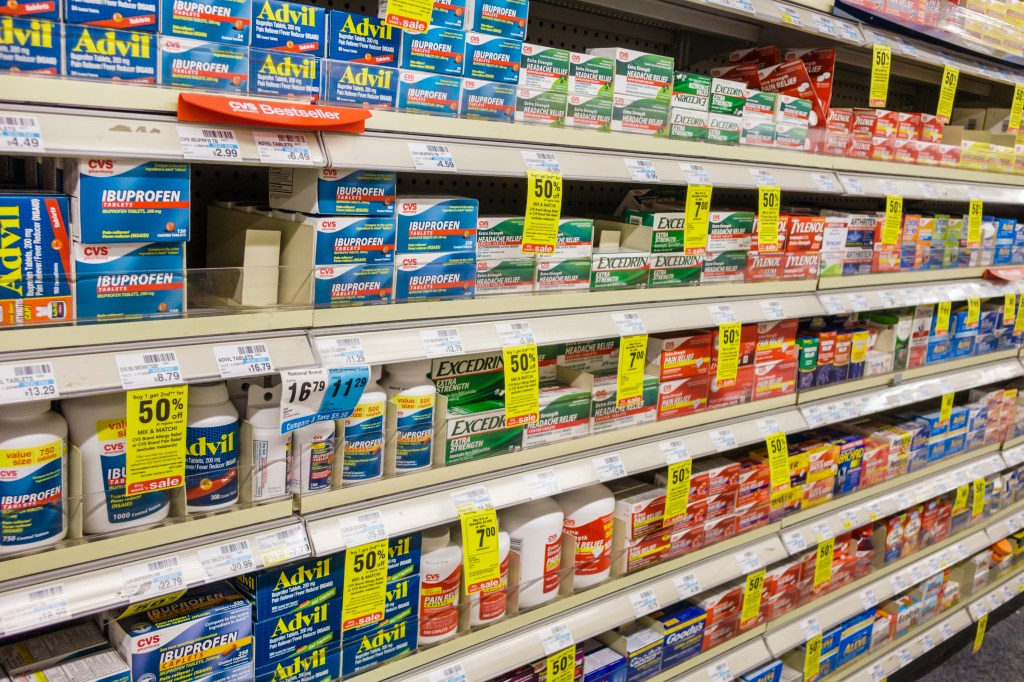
(154, 438)
(320, 394)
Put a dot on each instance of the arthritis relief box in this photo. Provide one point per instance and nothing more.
(119, 200)
(137, 15)
(333, 191)
(129, 281)
(223, 21)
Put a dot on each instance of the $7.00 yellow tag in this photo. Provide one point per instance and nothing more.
(698, 205)
(629, 388)
(481, 556)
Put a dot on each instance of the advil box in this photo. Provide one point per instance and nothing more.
(306, 628)
(285, 75)
(35, 259)
(319, 665)
(289, 27)
(36, 9)
(333, 191)
(137, 15)
(378, 647)
(126, 201)
(129, 281)
(280, 590)
(31, 46)
(106, 53)
(220, 21)
(360, 84)
(362, 39)
(186, 63)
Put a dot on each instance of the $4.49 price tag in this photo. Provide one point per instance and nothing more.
(768, 203)
(698, 206)
(630, 382)
(881, 63)
(320, 394)
(481, 556)
(562, 666)
(543, 211)
(365, 589)
(154, 438)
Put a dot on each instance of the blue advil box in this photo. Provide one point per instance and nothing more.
(322, 664)
(31, 46)
(284, 74)
(32, 9)
(310, 627)
(289, 27)
(108, 54)
(135, 15)
(283, 589)
(363, 40)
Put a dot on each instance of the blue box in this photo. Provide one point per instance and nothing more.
(404, 556)
(287, 634)
(1003, 254)
(917, 459)
(107, 54)
(1006, 230)
(129, 281)
(771, 672)
(830, 640)
(284, 74)
(937, 449)
(487, 100)
(856, 636)
(827, 663)
(349, 240)
(938, 351)
(683, 632)
(208, 66)
(506, 18)
(641, 645)
(450, 13)
(280, 590)
(602, 664)
(985, 343)
(223, 21)
(363, 40)
(962, 347)
(990, 319)
(334, 191)
(135, 15)
(319, 665)
(289, 27)
(31, 46)
(379, 646)
(429, 93)
(493, 58)
(36, 9)
(439, 50)
(337, 286)
(426, 276)
(437, 224)
(958, 324)
(956, 444)
(360, 84)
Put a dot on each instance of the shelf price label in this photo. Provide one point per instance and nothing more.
(320, 394)
(768, 202)
(153, 578)
(284, 148)
(211, 144)
(881, 64)
(973, 311)
(33, 608)
(20, 383)
(154, 434)
(410, 15)
(942, 317)
(562, 666)
(20, 134)
(145, 370)
(823, 562)
(812, 658)
(543, 211)
(778, 460)
(480, 549)
(1016, 109)
(752, 596)
(979, 635)
(893, 220)
(1009, 310)
(432, 157)
(974, 212)
(978, 503)
(677, 497)
(632, 358)
(728, 353)
(947, 93)
(642, 170)
(946, 409)
(224, 561)
(243, 360)
(365, 587)
(522, 384)
(698, 206)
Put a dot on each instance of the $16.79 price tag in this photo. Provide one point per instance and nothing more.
(320, 394)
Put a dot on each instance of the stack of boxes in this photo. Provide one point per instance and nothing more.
(541, 95)
(591, 92)
(436, 249)
(503, 268)
(884, 135)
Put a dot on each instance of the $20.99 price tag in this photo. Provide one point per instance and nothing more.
(154, 437)
(320, 394)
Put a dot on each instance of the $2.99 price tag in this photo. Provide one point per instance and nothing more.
(154, 437)
(320, 394)
(698, 206)
(365, 589)
(769, 200)
(522, 384)
(632, 359)
(561, 667)
(480, 549)
(543, 211)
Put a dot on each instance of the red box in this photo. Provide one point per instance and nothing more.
(826, 347)
(820, 63)
(721, 632)
(748, 344)
(722, 604)
(791, 78)
(781, 578)
(643, 552)
(719, 530)
(776, 341)
(874, 466)
(908, 126)
(800, 266)
(782, 603)
(723, 474)
(804, 232)
(927, 153)
(836, 144)
(859, 147)
(882, 148)
(904, 151)
(721, 505)
(685, 541)
(904, 9)
(753, 482)
(875, 122)
(695, 516)
(752, 517)
(740, 392)
(931, 128)
(949, 155)
(679, 356)
(772, 379)
(682, 397)
(840, 121)
(782, 234)
(764, 267)
(761, 56)
(744, 73)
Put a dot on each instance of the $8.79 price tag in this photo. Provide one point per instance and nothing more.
(154, 439)
(632, 359)
(481, 556)
(522, 384)
(365, 589)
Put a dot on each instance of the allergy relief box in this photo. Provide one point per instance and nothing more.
(219, 21)
(186, 63)
(129, 281)
(31, 46)
(106, 53)
(333, 191)
(137, 15)
(289, 27)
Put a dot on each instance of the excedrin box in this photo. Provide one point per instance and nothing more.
(424, 276)
(280, 590)
(289, 27)
(186, 63)
(308, 627)
(284, 74)
(493, 58)
(136, 15)
(109, 54)
(34, 9)
(35, 265)
(222, 21)
(487, 100)
(362, 39)
(360, 84)
(437, 224)
(129, 281)
(120, 200)
(623, 270)
(674, 270)
(478, 430)
(337, 286)
(31, 46)
(333, 191)
(499, 17)
(430, 93)
(438, 50)
(207, 634)
(347, 240)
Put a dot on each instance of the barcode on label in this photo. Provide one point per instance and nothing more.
(447, 333)
(157, 358)
(350, 342)
(161, 564)
(29, 370)
(234, 547)
(222, 134)
(545, 156)
(452, 671)
(18, 121)
(519, 326)
(368, 518)
(437, 148)
(45, 593)
(644, 164)
(255, 349)
(300, 139)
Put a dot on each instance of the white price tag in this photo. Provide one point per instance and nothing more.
(858, 302)
(642, 170)
(874, 510)
(364, 528)
(789, 15)
(928, 190)
(825, 182)
(555, 638)
(243, 360)
(962, 551)
(848, 518)
(695, 174)
(287, 544)
(451, 673)
(687, 585)
(794, 542)
(906, 48)
(432, 157)
(644, 602)
(768, 426)
(934, 565)
(749, 561)
(33, 608)
(144, 370)
(888, 299)
(833, 304)
(773, 309)
(1014, 456)
(1012, 523)
(541, 161)
(609, 467)
(994, 601)
(813, 416)
(723, 439)
(720, 672)
(848, 32)
(888, 186)
(852, 184)
(947, 630)
(341, 351)
(898, 582)
(153, 578)
(284, 148)
(825, 25)
(910, 296)
(903, 500)
(474, 499)
(514, 334)
(822, 532)
(763, 177)
(868, 598)
(722, 313)
(209, 144)
(921, 493)
(20, 134)
(674, 451)
(230, 559)
(439, 343)
(21, 383)
(811, 628)
(904, 656)
(542, 483)
(629, 324)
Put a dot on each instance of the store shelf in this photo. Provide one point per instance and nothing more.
(87, 589)
(487, 653)
(840, 301)
(743, 652)
(899, 278)
(931, 190)
(1012, 445)
(409, 507)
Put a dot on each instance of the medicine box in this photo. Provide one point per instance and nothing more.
(281, 590)
(437, 224)
(429, 93)
(493, 58)
(129, 280)
(438, 50)
(591, 75)
(639, 74)
(321, 664)
(361, 39)
(337, 286)
(434, 275)
(226, 21)
(286, 634)
(104, 666)
(284, 74)
(33, 46)
(505, 18)
(108, 54)
(333, 191)
(51, 648)
(289, 27)
(482, 99)
(641, 645)
(41, 9)
(187, 63)
(379, 646)
(682, 628)
(365, 85)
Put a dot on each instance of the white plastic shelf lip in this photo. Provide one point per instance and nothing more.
(91, 591)
(1005, 527)
(879, 298)
(888, 663)
(591, 619)
(737, 661)
(399, 345)
(92, 373)
(435, 508)
(1013, 456)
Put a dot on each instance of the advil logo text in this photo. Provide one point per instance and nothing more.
(301, 620)
(138, 46)
(297, 15)
(366, 78)
(383, 637)
(10, 250)
(367, 28)
(316, 660)
(221, 446)
(304, 574)
(39, 34)
(304, 68)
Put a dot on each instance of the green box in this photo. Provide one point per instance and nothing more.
(725, 266)
(478, 430)
(544, 68)
(666, 228)
(623, 270)
(727, 97)
(758, 132)
(790, 136)
(644, 116)
(724, 129)
(759, 104)
(562, 274)
(564, 415)
(686, 124)
(575, 238)
(607, 416)
(591, 75)
(505, 275)
(675, 270)
(640, 74)
(591, 113)
(542, 107)
(691, 91)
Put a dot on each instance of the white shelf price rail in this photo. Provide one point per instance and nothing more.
(722, 665)
(883, 298)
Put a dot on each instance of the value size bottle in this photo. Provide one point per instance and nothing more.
(98, 427)
(33, 477)
(211, 449)
(413, 396)
(363, 434)
(313, 446)
(535, 533)
(440, 575)
(589, 515)
(269, 450)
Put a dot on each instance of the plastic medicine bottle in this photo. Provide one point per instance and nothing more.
(414, 397)
(440, 575)
(33, 476)
(267, 448)
(363, 434)
(589, 514)
(98, 426)
(211, 449)
(313, 446)
(535, 532)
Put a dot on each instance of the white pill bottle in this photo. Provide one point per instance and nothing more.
(211, 449)
(440, 577)
(413, 396)
(362, 434)
(265, 448)
(33, 477)
(98, 427)
(313, 446)
(589, 517)
(535, 534)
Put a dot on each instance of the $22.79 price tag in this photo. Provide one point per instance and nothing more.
(320, 394)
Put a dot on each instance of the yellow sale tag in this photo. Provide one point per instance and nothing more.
(974, 212)
(812, 659)
(365, 586)
(973, 311)
(946, 411)
(1009, 309)
(677, 496)
(1015, 110)
(881, 63)
(778, 460)
(950, 76)
(481, 557)
(728, 353)
(562, 666)
(543, 211)
(893, 220)
(979, 636)
(942, 317)
(962, 493)
(698, 206)
(154, 603)
(629, 388)
(978, 503)
(522, 385)
(155, 439)
(1018, 323)
(768, 202)
(752, 596)
(823, 562)
(410, 15)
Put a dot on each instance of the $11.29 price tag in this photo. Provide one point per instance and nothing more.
(320, 394)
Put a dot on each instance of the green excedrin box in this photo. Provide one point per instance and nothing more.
(691, 91)
(478, 430)
(675, 270)
(590, 113)
(727, 97)
(590, 75)
(639, 74)
(667, 228)
(724, 129)
(686, 124)
(564, 415)
(562, 274)
(623, 270)
(544, 68)
(725, 266)
(466, 379)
